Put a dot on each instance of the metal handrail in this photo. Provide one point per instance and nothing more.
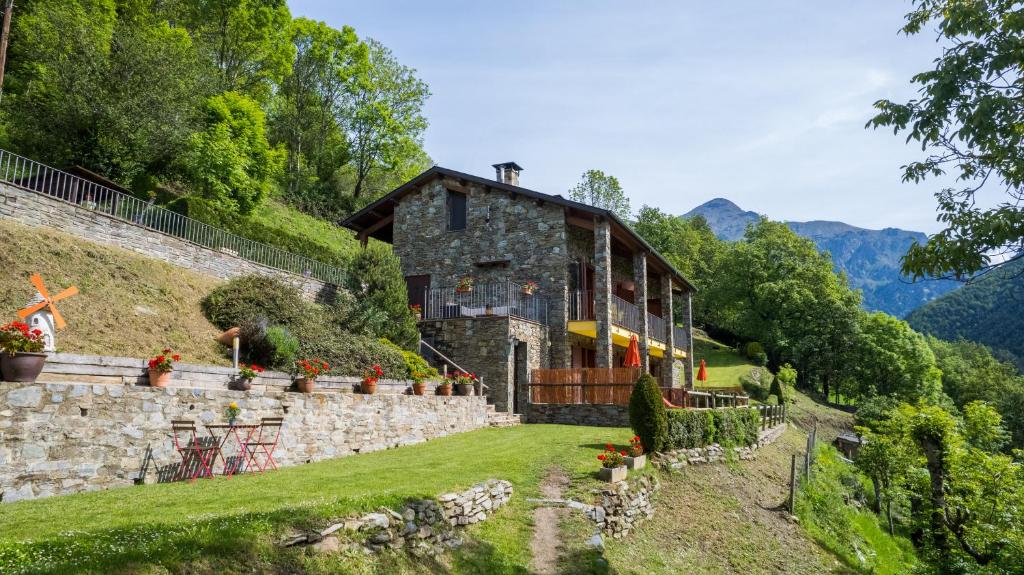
(447, 360)
(42, 179)
(499, 299)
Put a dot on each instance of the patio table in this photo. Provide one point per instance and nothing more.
(242, 433)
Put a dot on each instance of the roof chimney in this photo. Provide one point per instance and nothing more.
(508, 173)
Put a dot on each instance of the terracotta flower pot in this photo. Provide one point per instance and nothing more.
(368, 387)
(240, 384)
(445, 390)
(159, 378)
(464, 388)
(305, 384)
(23, 366)
(419, 388)
(528, 291)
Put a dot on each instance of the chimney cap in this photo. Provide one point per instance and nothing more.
(510, 165)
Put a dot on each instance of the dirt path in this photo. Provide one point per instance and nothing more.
(546, 543)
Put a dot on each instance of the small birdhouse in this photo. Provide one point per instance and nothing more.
(42, 320)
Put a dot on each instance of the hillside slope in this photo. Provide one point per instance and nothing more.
(989, 310)
(129, 305)
(869, 258)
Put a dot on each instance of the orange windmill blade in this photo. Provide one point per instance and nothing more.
(48, 302)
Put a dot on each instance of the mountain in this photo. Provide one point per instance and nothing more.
(870, 258)
(989, 310)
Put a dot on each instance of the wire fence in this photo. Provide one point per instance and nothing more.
(42, 179)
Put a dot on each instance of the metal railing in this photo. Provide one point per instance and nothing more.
(506, 299)
(625, 314)
(655, 327)
(679, 337)
(581, 305)
(42, 179)
(446, 361)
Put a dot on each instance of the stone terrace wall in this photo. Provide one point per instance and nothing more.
(35, 209)
(584, 414)
(67, 437)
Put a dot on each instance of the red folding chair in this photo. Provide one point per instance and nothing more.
(263, 444)
(197, 457)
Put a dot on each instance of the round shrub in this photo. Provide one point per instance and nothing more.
(254, 299)
(274, 347)
(753, 349)
(776, 390)
(647, 414)
(416, 367)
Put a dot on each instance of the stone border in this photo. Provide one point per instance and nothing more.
(423, 526)
(715, 453)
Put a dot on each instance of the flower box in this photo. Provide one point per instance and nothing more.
(613, 474)
(637, 462)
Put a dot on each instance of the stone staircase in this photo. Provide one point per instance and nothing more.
(501, 419)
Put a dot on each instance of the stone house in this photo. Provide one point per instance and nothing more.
(598, 282)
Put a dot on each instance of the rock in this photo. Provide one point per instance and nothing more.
(332, 529)
(381, 537)
(327, 545)
(596, 542)
(29, 396)
(374, 521)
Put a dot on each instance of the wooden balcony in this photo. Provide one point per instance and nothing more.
(625, 324)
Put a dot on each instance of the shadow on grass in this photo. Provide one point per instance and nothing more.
(585, 562)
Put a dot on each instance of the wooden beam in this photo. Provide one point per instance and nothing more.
(367, 232)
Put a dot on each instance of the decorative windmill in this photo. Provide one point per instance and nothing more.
(41, 313)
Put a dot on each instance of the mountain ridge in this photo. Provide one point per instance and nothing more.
(870, 258)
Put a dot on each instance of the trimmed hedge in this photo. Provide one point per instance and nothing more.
(691, 428)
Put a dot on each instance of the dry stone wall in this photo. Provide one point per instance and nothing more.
(625, 506)
(715, 453)
(35, 209)
(583, 414)
(58, 438)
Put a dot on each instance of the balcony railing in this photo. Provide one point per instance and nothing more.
(581, 306)
(625, 314)
(504, 299)
(679, 337)
(655, 327)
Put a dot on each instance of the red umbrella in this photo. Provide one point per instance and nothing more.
(702, 373)
(632, 358)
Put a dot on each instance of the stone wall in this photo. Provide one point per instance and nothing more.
(35, 209)
(625, 505)
(716, 453)
(584, 414)
(486, 346)
(60, 438)
(421, 527)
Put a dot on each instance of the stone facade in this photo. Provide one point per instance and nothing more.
(35, 209)
(67, 437)
(488, 345)
(598, 415)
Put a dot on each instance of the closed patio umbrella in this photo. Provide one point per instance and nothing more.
(632, 358)
(702, 373)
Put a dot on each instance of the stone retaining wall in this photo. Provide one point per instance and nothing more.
(625, 505)
(58, 438)
(36, 209)
(583, 414)
(423, 526)
(715, 453)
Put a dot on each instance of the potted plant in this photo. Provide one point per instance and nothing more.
(464, 382)
(636, 459)
(445, 388)
(417, 311)
(613, 467)
(231, 412)
(529, 287)
(370, 377)
(160, 368)
(21, 352)
(419, 383)
(246, 375)
(464, 285)
(310, 369)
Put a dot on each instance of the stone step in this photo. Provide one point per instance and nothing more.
(503, 419)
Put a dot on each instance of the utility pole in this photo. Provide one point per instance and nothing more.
(4, 35)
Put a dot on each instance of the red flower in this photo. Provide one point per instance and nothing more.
(160, 359)
(622, 453)
(176, 357)
(601, 457)
(166, 351)
(608, 446)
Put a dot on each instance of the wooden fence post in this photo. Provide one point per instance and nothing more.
(792, 487)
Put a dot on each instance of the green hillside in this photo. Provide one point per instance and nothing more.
(989, 310)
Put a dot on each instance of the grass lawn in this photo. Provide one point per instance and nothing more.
(724, 365)
(277, 215)
(227, 525)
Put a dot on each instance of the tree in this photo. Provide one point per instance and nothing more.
(247, 41)
(968, 115)
(892, 359)
(385, 120)
(115, 91)
(647, 414)
(375, 279)
(601, 191)
(230, 163)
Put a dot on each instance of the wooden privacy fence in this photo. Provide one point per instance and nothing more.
(586, 385)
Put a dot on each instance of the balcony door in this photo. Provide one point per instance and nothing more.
(417, 287)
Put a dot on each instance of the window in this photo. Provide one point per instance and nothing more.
(456, 211)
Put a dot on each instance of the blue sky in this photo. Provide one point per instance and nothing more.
(763, 103)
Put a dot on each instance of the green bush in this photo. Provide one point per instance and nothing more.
(416, 367)
(753, 349)
(272, 347)
(754, 389)
(375, 279)
(647, 414)
(352, 354)
(776, 390)
(254, 299)
(690, 428)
